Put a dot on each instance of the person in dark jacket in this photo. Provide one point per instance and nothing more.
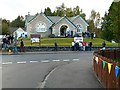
(90, 45)
(103, 45)
(55, 45)
(21, 46)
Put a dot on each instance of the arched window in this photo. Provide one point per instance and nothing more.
(40, 27)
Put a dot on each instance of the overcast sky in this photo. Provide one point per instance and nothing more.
(10, 9)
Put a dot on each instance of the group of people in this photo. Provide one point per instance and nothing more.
(81, 46)
(7, 41)
(10, 43)
(89, 35)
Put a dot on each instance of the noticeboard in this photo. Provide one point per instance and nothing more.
(78, 39)
(35, 38)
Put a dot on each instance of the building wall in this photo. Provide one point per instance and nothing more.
(56, 28)
(79, 21)
(31, 26)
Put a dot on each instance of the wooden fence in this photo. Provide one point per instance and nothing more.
(107, 70)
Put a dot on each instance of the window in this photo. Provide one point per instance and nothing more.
(79, 28)
(40, 27)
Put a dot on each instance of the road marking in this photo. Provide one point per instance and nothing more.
(66, 60)
(75, 59)
(45, 61)
(55, 60)
(46, 78)
(22, 62)
(4, 63)
(33, 61)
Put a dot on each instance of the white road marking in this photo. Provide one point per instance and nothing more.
(55, 60)
(45, 61)
(6, 63)
(22, 62)
(46, 78)
(33, 61)
(75, 59)
(66, 60)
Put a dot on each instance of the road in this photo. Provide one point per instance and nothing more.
(49, 70)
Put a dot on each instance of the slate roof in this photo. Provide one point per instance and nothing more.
(29, 17)
(56, 19)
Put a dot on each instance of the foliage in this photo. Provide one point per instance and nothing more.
(111, 23)
(18, 22)
(5, 26)
(94, 23)
(48, 12)
(62, 10)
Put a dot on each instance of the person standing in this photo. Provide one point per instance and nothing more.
(73, 45)
(21, 46)
(92, 35)
(80, 45)
(55, 45)
(103, 45)
(90, 45)
(84, 44)
(14, 44)
(86, 47)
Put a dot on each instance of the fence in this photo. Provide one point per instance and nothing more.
(107, 70)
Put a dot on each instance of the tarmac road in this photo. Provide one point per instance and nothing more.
(49, 70)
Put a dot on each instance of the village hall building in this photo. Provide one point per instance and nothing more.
(59, 26)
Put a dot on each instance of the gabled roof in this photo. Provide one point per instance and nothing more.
(78, 16)
(13, 29)
(43, 15)
(67, 20)
(56, 19)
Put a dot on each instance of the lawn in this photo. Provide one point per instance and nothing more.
(66, 42)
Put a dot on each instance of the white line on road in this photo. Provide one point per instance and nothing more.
(33, 61)
(22, 62)
(45, 61)
(55, 60)
(6, 63)
(46, 78)
(66, 60)
(75, 59)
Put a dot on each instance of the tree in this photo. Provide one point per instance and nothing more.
(107, 34)
(48, 12)
(5, 26)
(112, 23)
(69, 12)
(93, 15)
(18, 22)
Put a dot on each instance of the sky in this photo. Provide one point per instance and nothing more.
(10, 9)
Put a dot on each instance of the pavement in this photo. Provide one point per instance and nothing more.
(42, 52)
